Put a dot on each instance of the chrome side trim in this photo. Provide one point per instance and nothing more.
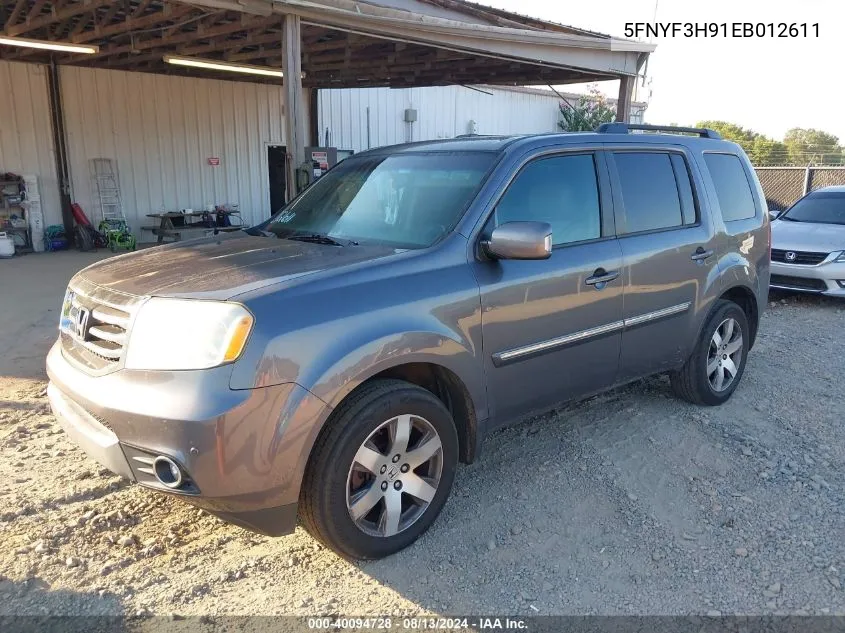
(517, 353)
(657, 314)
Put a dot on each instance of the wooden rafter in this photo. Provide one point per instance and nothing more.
(168, 42)
(16, 13)
(105, 29)
(35, 20)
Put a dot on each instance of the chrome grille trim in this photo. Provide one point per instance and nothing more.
(94, 329)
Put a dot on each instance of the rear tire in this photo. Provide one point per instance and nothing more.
(364, 465)
(714, 370)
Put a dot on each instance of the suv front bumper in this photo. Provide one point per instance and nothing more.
(243, 452)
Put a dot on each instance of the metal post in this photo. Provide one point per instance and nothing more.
(623, 103)
(808, 174)
(57, 115)
(294, 111)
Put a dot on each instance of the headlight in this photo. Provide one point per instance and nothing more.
(841, 257)
(187, 334)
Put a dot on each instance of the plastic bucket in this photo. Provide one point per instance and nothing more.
(7, 246)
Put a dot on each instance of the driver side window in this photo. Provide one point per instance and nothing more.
(560, 190)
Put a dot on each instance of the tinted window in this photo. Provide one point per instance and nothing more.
(562, 191)
(649, 191)
(684, 188)
(732, 188)
(403, 200)
(821, 208)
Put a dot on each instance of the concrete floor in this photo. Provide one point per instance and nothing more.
(31, 291)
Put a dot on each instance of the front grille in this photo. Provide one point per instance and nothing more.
(95, 324)
(800, 283)
(798, 257)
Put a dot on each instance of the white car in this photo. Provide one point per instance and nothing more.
(808, 244)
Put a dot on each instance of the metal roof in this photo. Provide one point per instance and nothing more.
(346, 43)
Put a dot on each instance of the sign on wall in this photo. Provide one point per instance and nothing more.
(214, 161)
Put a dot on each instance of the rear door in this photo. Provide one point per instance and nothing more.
(552, 328)
(670, 263)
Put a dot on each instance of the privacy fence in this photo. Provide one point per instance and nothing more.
(785, 185)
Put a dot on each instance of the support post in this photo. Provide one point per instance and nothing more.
(808, 174)
(294, 111)
(57, 116)
(623, 103)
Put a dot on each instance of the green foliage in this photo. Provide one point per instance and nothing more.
(591, 111)
(799, 147)
(809, 146)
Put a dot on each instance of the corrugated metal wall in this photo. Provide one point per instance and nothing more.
(442, 112)
(161, 131)
(26, 133)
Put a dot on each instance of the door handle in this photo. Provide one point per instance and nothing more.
(700, 255)
(601, 278)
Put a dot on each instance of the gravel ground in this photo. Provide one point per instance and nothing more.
(629, 503)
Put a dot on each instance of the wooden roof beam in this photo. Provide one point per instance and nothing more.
(244, 24)
(35, 21)
(16, 13)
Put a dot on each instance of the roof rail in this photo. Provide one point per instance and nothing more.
(624, 128)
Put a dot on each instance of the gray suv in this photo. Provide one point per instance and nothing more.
(337, 361)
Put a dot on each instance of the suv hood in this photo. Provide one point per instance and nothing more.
(223, 266)
(808, 236)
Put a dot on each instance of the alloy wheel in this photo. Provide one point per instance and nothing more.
(725, 355)
(394, 475)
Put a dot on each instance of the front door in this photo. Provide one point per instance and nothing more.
(670, 258)
(552, 328)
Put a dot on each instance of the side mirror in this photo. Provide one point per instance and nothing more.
(774, 215)
(520, 240)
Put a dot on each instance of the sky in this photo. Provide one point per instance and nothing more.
(767, 84)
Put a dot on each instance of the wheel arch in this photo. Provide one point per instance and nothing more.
(745, 298)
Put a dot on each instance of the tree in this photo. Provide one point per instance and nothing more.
(812, 147)
(591, 111)
(766, 152)
(761, 150)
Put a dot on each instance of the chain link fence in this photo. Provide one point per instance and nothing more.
(784, 185)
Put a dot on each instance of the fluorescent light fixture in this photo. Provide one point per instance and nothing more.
(212, 64)
(65, 47)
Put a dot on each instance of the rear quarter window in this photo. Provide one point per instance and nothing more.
(732, 187)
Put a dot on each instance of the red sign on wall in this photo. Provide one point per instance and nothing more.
(214, 161)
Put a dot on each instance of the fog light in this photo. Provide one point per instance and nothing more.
(167, 472)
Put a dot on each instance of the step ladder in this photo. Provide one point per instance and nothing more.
(105, 187)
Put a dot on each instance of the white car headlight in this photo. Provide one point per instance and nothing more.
(841, 257)
(170, 334)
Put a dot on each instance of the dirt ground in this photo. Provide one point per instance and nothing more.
(629, 503)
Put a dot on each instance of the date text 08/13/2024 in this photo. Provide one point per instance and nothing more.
(421, 623)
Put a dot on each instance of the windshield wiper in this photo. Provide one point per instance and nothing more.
(317, 238)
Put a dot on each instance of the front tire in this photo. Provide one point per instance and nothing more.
(713, 371)
(381, 470)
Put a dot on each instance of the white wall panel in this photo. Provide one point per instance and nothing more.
(442, 112)
(26, 133)
(161, 130)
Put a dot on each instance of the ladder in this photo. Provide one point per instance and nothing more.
(105, 186)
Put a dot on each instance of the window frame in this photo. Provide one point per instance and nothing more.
(748, 180)
(606, 215)
(619, 201)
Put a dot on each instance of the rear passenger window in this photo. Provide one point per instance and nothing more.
(561, 190)
(732, 187)
(649, 191)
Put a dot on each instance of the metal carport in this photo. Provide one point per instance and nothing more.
(318, 44)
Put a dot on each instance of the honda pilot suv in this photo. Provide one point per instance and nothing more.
(335, 363)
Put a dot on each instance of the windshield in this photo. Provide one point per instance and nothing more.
(402, 200)
(820, 208)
